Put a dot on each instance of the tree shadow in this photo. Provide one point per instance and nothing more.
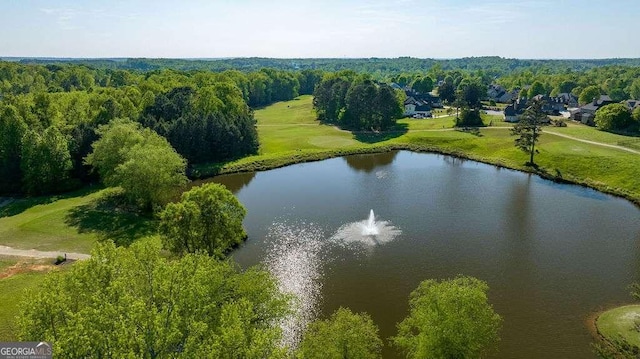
(470, 130)
(19, 205)
(374, 137)
(107, 218)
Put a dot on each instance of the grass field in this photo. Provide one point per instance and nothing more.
(620, 321)
(17, 275)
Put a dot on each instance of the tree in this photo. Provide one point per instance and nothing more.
(45, 161)
(634, 89)
(12, 129)
(447, 92)
(344, 335)
(139, 161)
(537, 88)
(152, 173)
(448, 319)
(422, 84)
(135, 302)
(614, 117)
(529, 128)
(588, 94)
(208, 218)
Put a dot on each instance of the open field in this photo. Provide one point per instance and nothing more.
(620, 321)
(18, 274)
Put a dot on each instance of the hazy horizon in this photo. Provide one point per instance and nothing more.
(287, 29)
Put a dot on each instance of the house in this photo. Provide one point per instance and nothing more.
(632, 104)
(551, 105)
(513, 111)
(569, 99)
(510, 113)
(413, 106)
(587, 113)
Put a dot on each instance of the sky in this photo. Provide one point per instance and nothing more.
(304, 29)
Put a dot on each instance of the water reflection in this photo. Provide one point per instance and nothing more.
(369, 162)
(234, 182)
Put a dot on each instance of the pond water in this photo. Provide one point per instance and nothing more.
(552, 254)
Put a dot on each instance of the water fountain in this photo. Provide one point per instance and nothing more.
(368, 233)
(369, 228)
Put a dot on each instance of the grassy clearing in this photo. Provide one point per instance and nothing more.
(16, 276)
(71, 223)
(620, 321)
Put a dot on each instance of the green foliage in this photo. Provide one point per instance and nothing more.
(422, 84)
(344, 335)
(12, 130)
(358, 104)
(45, 161)
(208, 218)
(528, 129)
(140, 161)
(469, 117)
(448, 319)
(588, 94)
(133, 302)
(471, 93)
(447, 92)
(615, 117)
(537, 88)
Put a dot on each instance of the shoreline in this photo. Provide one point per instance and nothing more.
(288, 159)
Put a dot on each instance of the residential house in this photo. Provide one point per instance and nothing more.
(513, 111)
(632, 104)
(569, 99)
(587, 113)
(551, 105)
(415, 107)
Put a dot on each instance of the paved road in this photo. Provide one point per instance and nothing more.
(8, 251)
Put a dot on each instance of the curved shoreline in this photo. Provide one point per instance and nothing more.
(291, 158)
(592, 321)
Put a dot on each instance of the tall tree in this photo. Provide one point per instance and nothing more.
(448, 319)
(537, 88)
(136, 303)
(208, 218)
(423, 84)
(529, 128)
(447, 92)
(589, 94)
(12, 129)
(45, 161)
(346, 335)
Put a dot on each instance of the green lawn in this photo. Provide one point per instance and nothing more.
(12, 290)
(71, 223)
(620, 321)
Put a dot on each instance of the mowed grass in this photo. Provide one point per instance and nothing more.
(13, 289)
(72, 223)
(292, 126)
(621, 322)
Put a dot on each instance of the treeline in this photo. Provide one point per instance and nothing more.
(356, 102)
(619, 82)
(50, 115)
(377, 67)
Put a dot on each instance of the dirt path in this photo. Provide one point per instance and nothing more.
(8, 251)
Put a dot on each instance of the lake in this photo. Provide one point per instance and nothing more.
(552, 254)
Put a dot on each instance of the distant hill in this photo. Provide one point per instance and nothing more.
(384, 66)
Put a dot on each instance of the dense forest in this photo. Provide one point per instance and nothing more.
(377, 67)
(51, 115)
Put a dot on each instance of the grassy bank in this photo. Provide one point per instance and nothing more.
(289, 133)
(621, 322)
